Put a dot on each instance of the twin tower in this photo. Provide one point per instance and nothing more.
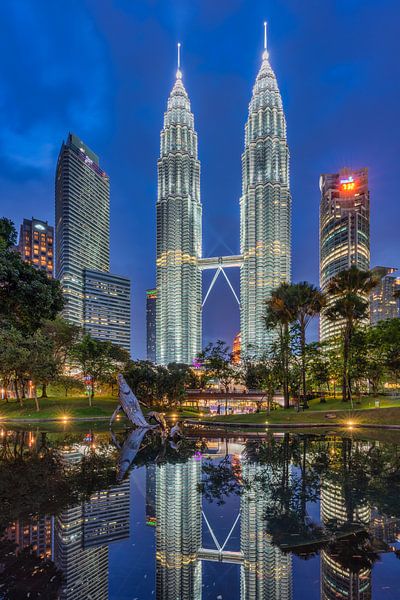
(265, 223)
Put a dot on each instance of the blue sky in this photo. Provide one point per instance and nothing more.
(104, 69)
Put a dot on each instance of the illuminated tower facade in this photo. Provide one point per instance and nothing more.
(82, 222)
(179, 213)
(266, 571)
(36, 244)
(343, 230)
(265, 207)
(178, 530)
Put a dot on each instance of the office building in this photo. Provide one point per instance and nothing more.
(151, 306)
(36, 244)
(82, 222)
(265, 208)
(385, 297)
(107, 307)
(179, 234)
(106, 516)
(95, 299)
(344, 230)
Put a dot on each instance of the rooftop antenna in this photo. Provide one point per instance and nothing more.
(179, 73)
(265, 53)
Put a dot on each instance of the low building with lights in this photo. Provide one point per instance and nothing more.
(35, 245)
(344, 230)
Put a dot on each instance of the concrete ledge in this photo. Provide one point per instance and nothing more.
(221, 424)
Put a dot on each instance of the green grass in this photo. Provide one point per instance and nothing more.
(365, 412)
(59, 407)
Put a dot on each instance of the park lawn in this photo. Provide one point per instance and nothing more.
(59, 408)
(388, 415)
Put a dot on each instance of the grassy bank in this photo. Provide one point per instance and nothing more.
(59, 408)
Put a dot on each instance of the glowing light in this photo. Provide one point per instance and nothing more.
(65, 418)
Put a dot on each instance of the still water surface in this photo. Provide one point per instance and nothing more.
(279, 517)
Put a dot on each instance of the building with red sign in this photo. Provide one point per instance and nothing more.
(344, 229)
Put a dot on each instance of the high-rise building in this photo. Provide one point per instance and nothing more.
(82, 221)
(179, 234)
(94, 299)
(107, 307)
(384, 298)
(151, 305)
(344, 230)
(36, 244)
(265, 208)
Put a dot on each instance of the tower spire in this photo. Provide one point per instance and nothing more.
(265, 53)
(179, 72)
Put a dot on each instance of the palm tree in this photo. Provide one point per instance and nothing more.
(279, 315)
(307, 302)
(349, 292)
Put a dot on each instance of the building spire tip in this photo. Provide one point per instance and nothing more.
(179, 72)
(265, 53)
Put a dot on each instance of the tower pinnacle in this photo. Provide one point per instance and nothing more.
(179, 72)
(265, 53)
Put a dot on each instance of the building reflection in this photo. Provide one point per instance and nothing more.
(35, 533)
(337, 581)
(178, 531)
(265, 572)
(82, 534)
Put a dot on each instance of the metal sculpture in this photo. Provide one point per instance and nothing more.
(129, 404)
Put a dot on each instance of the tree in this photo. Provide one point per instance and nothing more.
(14, 357)
(317, 366)
(27, 296)
(42, 365)
(144, 379)
(8, 234)
(348, 292)
(217, 362)
(279, 314)
(307, 302)
(69, 383)
(385, 338)
(177, 382)
(97, 360)
(262, 374)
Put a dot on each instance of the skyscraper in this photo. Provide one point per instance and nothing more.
(344, 230)
(384, 302)
(107, 307)
(179, 233)
(265, 207)
(82, 222)
(36, 244)
(151, 304)
(95, 299)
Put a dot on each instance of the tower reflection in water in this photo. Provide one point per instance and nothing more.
(265, 572)
(337, 581)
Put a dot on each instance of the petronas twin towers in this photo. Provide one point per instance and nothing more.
(265, 209)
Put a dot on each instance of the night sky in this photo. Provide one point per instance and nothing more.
(103, 69)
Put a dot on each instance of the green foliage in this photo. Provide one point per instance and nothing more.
(8, 234)
(157, 385)
(27, 296)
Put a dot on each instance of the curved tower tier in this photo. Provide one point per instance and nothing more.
(179, 213)
(265, 208)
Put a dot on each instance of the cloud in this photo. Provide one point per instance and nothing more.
(54, 79)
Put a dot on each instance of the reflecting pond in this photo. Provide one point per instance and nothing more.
(89, 515)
